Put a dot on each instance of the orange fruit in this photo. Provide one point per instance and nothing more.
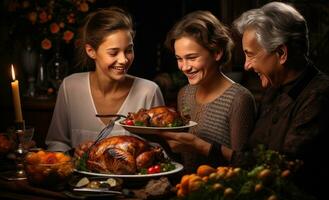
(258, 187)
(181, 193)
(222, 171)
(205, 170)
(228, 192)
(286, 173)
(264, 174)
(217, 186)
(184, 182)
(195, 182)
(272, 197)
(32, 158)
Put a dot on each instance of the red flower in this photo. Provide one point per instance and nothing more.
(67, 36)
(43, 16)
(50, 20)
(46, 44)
(54, 28)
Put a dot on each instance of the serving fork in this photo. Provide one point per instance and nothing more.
(108, 128)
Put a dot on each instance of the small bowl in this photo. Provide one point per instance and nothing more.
(48, 175)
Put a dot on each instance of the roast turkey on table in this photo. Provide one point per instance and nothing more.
(122, 155)
(160, 116)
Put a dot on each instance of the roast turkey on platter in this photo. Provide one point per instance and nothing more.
(160, 116)
(122, 155)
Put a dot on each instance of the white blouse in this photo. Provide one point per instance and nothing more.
(74, 120)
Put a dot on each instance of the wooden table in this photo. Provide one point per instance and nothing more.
(22, 190)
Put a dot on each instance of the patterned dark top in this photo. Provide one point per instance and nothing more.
(292, 116)
(294, 120)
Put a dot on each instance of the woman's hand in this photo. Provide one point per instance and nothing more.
(185, 142)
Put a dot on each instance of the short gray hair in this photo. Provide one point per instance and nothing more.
(275, 24)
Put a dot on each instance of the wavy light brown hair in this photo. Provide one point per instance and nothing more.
(207, 31)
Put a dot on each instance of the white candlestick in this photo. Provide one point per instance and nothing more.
(16, 97)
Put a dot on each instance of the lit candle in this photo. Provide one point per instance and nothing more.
(16, 97)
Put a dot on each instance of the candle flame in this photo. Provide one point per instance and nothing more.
(13, 72)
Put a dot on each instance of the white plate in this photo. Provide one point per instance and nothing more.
(153, 130)
(179, 167)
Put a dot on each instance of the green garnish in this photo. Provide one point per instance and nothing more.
(177, 122)
(82, 162)
(139, 123)
(143, 171)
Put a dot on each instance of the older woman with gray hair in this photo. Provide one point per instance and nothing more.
(294, 112)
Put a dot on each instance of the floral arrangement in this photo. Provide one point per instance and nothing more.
(49, 21)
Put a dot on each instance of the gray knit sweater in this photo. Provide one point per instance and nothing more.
(228, 120)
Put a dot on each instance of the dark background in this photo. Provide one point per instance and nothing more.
(153, 19)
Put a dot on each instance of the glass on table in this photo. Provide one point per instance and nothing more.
(25, 138)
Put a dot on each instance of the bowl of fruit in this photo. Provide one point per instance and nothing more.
(48, 169)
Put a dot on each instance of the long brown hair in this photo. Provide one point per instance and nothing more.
(96, 27)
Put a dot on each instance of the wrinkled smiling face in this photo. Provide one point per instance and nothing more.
(196, 62)
(266, 65)
(115, 54)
